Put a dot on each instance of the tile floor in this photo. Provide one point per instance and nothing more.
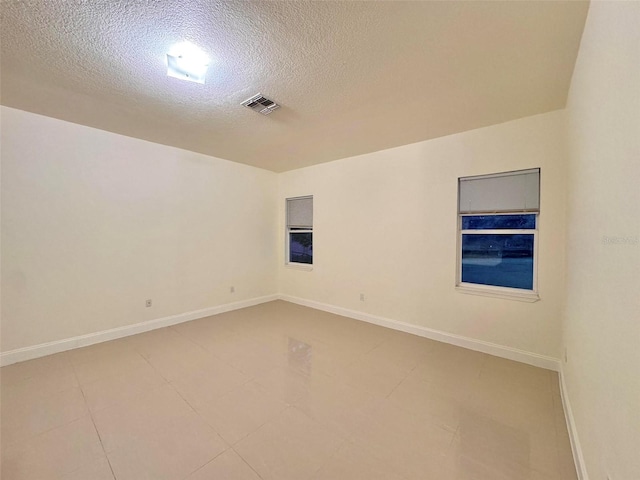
(279, 391)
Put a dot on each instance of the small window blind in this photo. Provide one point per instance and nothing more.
(300, 212)
(500, 193)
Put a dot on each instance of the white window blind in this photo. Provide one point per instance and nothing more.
(500, 193)
(300, 212)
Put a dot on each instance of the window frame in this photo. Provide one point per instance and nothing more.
(494, 290)
(520, 207)
(289, 230)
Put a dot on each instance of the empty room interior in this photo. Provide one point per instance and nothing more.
(320, 240)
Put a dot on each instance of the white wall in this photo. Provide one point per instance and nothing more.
(385, 226)
(602, 324)
(94, 223)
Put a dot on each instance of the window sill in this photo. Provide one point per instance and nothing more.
(299, 266)
(529, 297)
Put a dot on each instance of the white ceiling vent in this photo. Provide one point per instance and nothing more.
(261, 104)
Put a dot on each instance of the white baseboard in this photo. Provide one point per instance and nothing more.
(36, 351)
(522, 356)
(578, 458)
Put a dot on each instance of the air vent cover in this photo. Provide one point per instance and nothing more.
(261, 104)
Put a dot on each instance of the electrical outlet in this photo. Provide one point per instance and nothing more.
(362, 297)
(232, 289)
(148, 303)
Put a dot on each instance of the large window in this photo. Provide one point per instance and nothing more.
(300, 230)
(498, 229)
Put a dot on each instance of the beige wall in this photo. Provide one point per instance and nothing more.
(602, 324)
(385, 226)
(94, 223)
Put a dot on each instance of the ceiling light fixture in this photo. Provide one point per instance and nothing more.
(187, 62)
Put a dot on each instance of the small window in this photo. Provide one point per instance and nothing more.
(498, 228)
(300, 230)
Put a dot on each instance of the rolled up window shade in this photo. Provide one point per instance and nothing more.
(300, 212)
(500, 193)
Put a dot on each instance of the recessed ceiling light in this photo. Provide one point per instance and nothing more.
(187, 62)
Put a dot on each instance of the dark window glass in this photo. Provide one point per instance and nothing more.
(499, 222)
(301, 247)
(499, 260)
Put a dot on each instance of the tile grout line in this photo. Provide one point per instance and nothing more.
(153, 368)
(229, 446)
(245, 462)
(401, 381)
(95, 427)
(209, 352)
(192, 409)
(207, 462)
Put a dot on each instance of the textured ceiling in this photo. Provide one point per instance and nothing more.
(352, 77)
